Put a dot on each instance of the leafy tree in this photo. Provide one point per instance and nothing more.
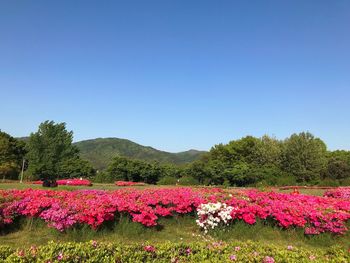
(338, 166)
(50, 150)
(268, 151)
(12, 152)
(304, 156)
(125, 169)
(76, 167)
(198, 170)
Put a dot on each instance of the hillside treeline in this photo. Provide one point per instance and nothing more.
(250, 161)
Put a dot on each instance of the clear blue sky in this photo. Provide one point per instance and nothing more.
(177, 74)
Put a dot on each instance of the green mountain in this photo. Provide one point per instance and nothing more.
(100, 151)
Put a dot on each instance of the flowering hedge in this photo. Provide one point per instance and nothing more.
(128, 183)
(73, 182)
(341, 192)
(169, 252)
(64, 209)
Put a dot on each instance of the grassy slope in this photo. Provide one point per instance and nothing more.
(101, 150)
(176, 229)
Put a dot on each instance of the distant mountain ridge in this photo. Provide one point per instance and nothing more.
(100, 151)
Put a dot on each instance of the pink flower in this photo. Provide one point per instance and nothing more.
(233, 257)
(188, 251)
(237, 248)
(149, 248)
(290, 247)
(60, 256)
(312, 257)
(94, 243)
(268, 259)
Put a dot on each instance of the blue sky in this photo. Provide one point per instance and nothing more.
(177, 75)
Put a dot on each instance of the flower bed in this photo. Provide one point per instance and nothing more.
(64, 209)
(94, 251)
(128, 183)
(73, 182)
(341, 192)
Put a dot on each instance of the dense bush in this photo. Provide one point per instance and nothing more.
(68, 209)
(188, 180)
(169, 252)
(167, 180)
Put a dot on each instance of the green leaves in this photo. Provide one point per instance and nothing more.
(171, 252)
(12, 152)
(51, 153)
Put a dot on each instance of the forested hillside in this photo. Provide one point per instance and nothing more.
(100, 152)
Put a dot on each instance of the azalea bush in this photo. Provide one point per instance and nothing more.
(341, 192)
(128, 183)
(72, 182)
(94, 251)
(214, 207)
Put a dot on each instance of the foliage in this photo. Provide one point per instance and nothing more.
(51, 153)
(249, 161)
(76, 167)
(101, 151)
(188, 180)
(304, 156)
(12, 152)
(94, 251)
(167, 180)
(125, 169)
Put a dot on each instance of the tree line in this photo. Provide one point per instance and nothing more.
(250, 161)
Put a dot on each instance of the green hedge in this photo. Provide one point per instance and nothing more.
(170, 252)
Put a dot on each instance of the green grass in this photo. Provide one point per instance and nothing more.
(25, 185)
(178, 229)
(101, 186)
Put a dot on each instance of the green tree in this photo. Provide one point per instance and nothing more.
(12, 152)
(304, 156)
(76, 167)
(268, 151)
(338, 165)
(49, 150)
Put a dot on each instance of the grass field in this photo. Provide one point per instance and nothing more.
(100, 186)
(27, 232)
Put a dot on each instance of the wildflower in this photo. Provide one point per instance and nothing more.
(290, 247)
(21, 253)
(149, 248)
(94, 243)
(268, 259)
(312, 257)
(233, 257)
(60, 256)
(237, 248)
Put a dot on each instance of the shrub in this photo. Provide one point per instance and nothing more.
(188, 180)
(167, 180)
(94, 251)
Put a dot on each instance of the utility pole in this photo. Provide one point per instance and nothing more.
(22, 171)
